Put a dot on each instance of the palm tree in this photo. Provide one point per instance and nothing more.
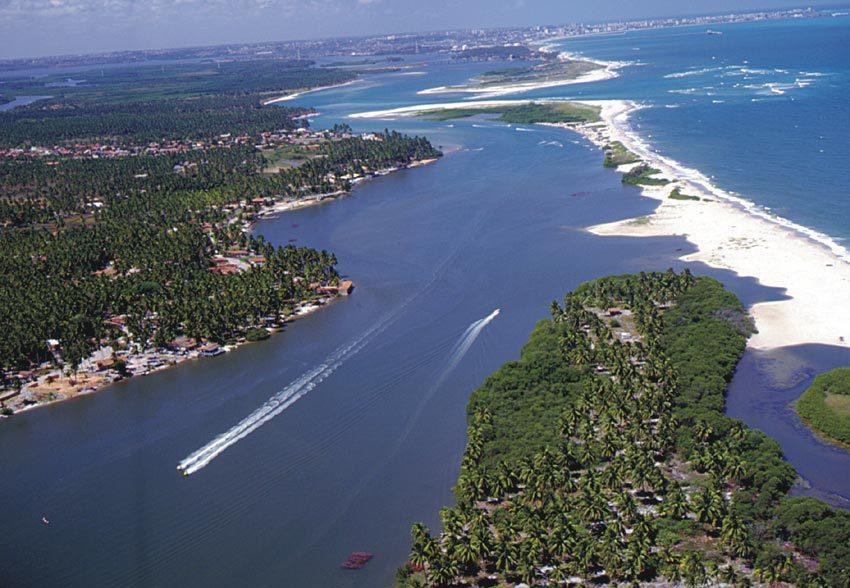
(675, 504)
(692, 569)
(505, 556)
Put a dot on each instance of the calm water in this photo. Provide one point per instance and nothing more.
(20, 101)
(496, 224)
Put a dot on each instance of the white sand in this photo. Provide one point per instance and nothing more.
(729, 232)
(418, 109)
(732, 233)
(294, 95)
(607, 72)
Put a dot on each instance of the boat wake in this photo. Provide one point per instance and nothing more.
(467, 339)
(282, 400)
(309, 380)
(460, 349)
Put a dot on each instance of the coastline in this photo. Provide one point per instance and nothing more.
(90, 380)
(99, 382)
(728, 231)
(732, 233)
(607, 70)
(298, 94)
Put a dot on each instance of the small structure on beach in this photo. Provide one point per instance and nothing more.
(210, 349)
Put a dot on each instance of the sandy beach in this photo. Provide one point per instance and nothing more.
(606, 70)
(294, 95)
(419, 109)
(732, 233)
(728, 231)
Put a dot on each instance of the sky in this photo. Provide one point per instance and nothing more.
(30, 28)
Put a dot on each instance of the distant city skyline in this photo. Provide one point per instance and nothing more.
(34, 28)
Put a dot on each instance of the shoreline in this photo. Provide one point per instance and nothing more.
(607, 70)
(93, 381)
(811, 270)
(732, 233)
(173, 359)
(299, 93)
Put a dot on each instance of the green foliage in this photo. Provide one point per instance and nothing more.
(532, 113)
(254, 335)
(642, 175)
(676, 194)
(550, 112)
(616, 154)
(825, 405)
(527, 396)
(564, 442)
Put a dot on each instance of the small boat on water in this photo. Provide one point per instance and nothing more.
(713, 32)
(45, 521)
(357, 560)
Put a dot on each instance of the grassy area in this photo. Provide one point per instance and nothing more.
(643, 175)
(676, 194)
(532, 113)
(616, 154)
(546, 72)
(825, 405)
(286, 157)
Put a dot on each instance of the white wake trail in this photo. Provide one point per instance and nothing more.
(468, 339)
(281, 401)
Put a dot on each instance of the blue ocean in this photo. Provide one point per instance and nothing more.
(762, 108)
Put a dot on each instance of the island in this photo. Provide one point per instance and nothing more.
(602, 455)
(556, 70)
(825, 406)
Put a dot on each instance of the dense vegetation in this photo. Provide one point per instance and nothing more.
(156, 103)
(125, 224)
(201, 118)
(677, 194)
(616, 154)
(149, 233)
(603, 455)
(531, 113)
(180, 80)
(643, 175)
(825, 405)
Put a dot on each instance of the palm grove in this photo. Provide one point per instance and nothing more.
(84, 239)
(603, 456)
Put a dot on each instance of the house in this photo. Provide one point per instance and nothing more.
(116, 321)
(183, 343)
(225, 269)
(105, 364)
(210, 349)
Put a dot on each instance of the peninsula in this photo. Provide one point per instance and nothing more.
(126, 223)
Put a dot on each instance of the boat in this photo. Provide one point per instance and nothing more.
(357, 560)
(713, 32)
(45, 521)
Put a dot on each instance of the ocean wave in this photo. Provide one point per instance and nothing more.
(692, 72)
(643, 149)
